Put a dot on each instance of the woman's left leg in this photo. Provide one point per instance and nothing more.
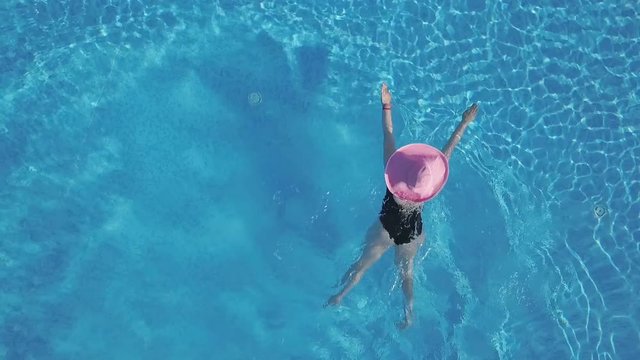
(377, 242)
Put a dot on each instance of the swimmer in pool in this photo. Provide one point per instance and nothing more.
(414, 174)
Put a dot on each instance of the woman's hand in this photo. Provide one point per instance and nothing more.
(385, 95)
(470, 114)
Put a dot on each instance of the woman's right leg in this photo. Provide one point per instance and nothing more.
(405, 254)
(377, 242)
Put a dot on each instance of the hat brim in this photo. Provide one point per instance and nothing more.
(400, 174)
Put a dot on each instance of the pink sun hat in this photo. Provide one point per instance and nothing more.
(416, 172)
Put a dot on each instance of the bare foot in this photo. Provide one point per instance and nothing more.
(334, 301)
(408, 315)
(470, 114)
(403, 324)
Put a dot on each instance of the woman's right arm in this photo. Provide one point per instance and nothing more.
(389, 146)
(467, 117)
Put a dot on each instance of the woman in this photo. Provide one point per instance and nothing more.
(414, 174)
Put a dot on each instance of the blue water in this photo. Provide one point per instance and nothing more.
(189, 180)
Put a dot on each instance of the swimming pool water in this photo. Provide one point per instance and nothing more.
(188, 180)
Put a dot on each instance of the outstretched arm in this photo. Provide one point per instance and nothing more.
(467, 117)
(387, 124)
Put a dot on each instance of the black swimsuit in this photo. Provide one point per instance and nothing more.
(402, 225)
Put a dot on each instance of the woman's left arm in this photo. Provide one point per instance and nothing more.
(389, 145)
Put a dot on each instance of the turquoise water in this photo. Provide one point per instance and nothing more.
(189, 180)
